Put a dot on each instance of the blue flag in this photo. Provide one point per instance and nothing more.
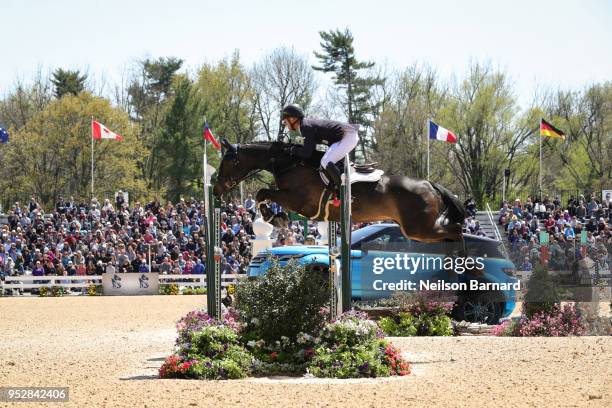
(3, 135)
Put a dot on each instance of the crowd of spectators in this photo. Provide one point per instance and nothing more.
(524, 221)
(90, 238)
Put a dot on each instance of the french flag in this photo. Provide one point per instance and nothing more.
(437, 132)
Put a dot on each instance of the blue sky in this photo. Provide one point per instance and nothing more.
(554, 44)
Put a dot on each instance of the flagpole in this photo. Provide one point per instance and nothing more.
(540, 136)
(205, 163)
(92, 158)
(428, 137)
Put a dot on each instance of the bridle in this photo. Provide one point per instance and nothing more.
(231, 181)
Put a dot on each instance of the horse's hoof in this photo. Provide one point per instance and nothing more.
(280, 220)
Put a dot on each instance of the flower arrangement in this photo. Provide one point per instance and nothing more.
(54, 291)
(276, 329)
(94, 290)
(171, 289)
(556, 322)
(543, 314)
(350, 347)
(194, 291)
(424, 313)
(207, 348)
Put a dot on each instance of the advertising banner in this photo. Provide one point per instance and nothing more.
(130, 283)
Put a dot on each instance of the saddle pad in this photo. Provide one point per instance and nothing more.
(372, 177)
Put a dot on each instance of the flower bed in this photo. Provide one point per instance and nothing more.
(556, 322)
(266, 336)
(419, 314)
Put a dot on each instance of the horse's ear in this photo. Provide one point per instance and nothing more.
(227, 145)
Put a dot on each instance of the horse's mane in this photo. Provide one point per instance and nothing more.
(281, 151)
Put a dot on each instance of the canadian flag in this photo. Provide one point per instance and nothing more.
(99, 131)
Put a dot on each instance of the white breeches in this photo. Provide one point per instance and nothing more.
(338, 150)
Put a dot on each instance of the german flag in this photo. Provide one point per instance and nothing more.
(547, 129)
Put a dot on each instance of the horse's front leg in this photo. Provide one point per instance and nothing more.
(280, 219)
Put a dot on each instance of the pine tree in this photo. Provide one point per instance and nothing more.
(68, 82)
(338, 57)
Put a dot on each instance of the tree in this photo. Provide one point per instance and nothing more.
(481, 110)
(149, 91)
(179, 145)
(338, 57)
(50, 156)
(25, 101)
(281, 77)
(68, 82)
(411, 97)
(227, 97)
(586, 117)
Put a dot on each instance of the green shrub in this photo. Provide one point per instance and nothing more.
(284, 302)
(423, 313)
(434, 325)
(351, 347)
(213, 353)
(358, 361)
(402, 324)
(171, 289)
(194, 291)
(541, 296)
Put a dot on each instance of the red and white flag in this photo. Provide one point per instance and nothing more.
(208, 135)
(99, 131)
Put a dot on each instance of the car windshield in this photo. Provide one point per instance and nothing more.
(361, 233)
(389, 238)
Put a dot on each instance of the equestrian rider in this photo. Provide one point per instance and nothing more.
(340, 137)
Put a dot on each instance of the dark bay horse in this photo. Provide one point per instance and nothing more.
(424, 210)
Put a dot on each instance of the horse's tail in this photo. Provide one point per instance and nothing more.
(455, 211)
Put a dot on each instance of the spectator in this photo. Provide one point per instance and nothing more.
(526, 265)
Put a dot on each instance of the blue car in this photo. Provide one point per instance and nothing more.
(383, 261)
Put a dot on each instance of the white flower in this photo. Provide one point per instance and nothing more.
(251, 343)
(255, 321)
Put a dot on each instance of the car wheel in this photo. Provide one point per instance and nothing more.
(478, 308)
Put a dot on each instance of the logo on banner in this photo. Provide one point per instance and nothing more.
(143, 281)
(116, 281)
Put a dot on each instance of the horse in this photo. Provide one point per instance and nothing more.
(425, 211)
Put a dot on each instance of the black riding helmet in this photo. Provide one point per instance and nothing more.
(293, 110)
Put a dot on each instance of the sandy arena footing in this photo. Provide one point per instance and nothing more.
(107, 351)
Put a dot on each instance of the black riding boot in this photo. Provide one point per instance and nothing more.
(335, 176)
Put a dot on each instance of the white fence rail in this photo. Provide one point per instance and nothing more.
(36, 282)
(198, 280)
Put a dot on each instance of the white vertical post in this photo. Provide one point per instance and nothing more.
(205, 181)
(504, 187)
(92, 159)
(540, 136)
(428, 137)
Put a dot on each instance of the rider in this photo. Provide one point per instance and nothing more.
(340, 137)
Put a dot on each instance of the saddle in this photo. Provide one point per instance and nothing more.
(365, 168)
